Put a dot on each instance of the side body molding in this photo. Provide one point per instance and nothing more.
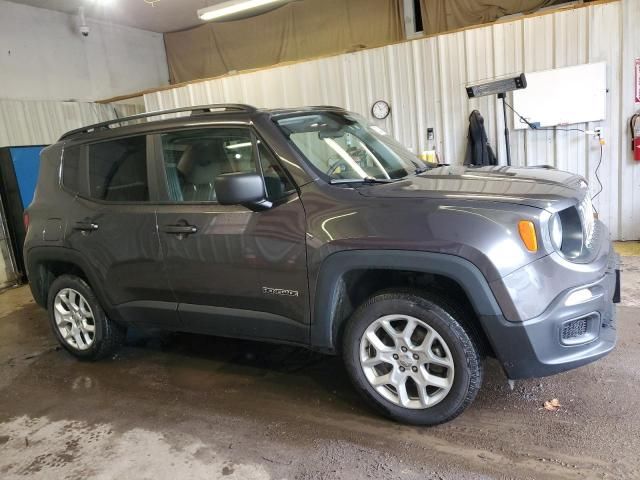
(327, 290)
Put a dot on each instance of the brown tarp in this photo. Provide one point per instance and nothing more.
(297, 31)
(444, 15)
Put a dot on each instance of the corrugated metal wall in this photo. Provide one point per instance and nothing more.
(424, 82)
(31, 122)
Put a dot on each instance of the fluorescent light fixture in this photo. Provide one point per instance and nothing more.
(240, 145)
(346, 157)
(499, 86)
(233, 7)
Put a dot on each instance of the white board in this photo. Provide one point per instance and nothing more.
(563, 96)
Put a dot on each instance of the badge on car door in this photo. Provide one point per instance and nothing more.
(279, 291)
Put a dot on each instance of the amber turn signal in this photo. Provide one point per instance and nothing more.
(528, 234)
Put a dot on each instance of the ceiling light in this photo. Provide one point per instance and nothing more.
(233, 7)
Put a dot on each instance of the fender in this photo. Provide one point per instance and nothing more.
(42, 254)
(324, 328)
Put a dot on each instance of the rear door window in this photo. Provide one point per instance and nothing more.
(117, 170)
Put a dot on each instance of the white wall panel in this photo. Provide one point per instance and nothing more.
(27, 122)
(508, 57)
(424, 81)
(606, 43)
(629, 201)
(44, 56)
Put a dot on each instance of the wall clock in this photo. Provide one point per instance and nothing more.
(380, 110)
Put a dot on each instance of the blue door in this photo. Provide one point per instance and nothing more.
(26, 163)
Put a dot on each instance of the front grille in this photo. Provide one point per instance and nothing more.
(574, 329)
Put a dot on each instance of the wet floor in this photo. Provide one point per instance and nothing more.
(187, 406)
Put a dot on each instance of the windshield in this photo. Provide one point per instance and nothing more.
(344, 147)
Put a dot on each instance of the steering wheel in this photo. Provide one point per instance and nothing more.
(335, 166)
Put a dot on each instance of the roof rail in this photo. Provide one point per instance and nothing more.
(199, 110)
(326, 107)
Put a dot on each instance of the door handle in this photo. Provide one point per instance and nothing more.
(85, 226)
(180, 229)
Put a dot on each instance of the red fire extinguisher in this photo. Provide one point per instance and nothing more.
(634, 125)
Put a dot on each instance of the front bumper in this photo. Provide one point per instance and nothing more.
(548, 343)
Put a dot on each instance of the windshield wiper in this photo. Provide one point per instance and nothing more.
(368, 180)
(420, 169)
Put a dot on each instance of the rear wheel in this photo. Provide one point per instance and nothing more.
(78, 321)
(410, 357)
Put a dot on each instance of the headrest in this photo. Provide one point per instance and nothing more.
(202, 162)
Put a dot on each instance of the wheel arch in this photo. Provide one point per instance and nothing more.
(45, 264)
(346, 278)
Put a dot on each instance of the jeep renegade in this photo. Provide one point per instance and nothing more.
(311, 227)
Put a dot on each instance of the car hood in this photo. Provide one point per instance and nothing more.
(540, 187)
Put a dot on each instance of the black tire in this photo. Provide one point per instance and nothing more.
(446, 319)
(108, 336)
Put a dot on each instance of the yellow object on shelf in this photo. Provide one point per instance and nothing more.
(429, 156)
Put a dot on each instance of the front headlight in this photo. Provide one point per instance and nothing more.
(555, 231)
(565, 233)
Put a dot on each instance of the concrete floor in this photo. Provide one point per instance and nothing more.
(185, 406)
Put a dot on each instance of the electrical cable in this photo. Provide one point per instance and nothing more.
(534, 127)
(598, 178)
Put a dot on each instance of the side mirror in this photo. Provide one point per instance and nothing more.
(241, 189)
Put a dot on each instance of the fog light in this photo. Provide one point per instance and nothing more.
(579, 296)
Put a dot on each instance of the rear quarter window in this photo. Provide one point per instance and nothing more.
(71, 168)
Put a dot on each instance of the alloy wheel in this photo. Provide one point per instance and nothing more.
(74, 318)
(406, 361)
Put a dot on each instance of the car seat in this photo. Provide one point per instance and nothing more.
(199, 166)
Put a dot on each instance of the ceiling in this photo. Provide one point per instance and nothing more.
(165, 16)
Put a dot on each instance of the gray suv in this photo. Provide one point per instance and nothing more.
(311, 227)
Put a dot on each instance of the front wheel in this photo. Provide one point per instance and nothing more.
(410, 357)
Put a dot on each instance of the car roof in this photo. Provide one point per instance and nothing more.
(123, 125)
